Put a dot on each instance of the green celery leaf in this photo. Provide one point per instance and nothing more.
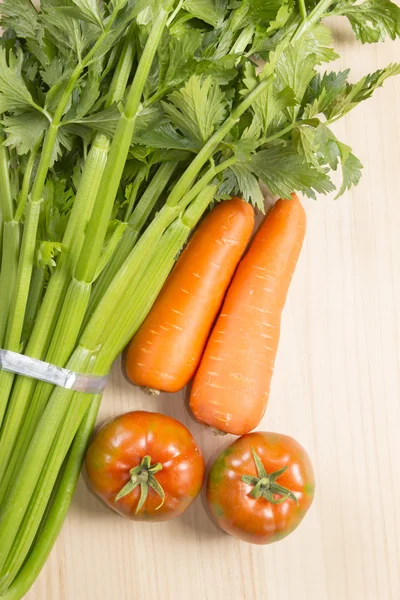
(14, 94)
(176, 62)
(209, 11)
(166, 155)
(47, 252)
(54, 94)
(284, 172)
(353, 94)
(91, 10)
(24, 130)
(271, 103)
(373, 20)
(254, 130)
(76, 13)
(53, 72)
(42, 49)
(319, 40)
(118, 4)
(179, 58)
(327, 146)
(67, 29)
(244, 148)
(64, 32)
(304, 141)
(147, 120)
(295, 65)
(58, 200)
(64, 141)
(104, 121)
(351, 168)
(222, 70)
(248, 186)
(85, 95)
(258, 12)
(197, 108)
(166, 136)
(21, 16)
(122, 21)
(229, 185)
(282, 16)
(324, 90)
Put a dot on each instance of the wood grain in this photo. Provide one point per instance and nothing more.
(336, 389)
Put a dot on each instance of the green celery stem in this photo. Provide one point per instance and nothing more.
(27, 476)
(9, 267)
(10, 243)
(26, 183)
(140, 177)
(34, 300)
(6, 203)
(78, 407)
(58, 508)
(314, 17)
(19, 298)
(121, 143)
(63, 340)
(135, 225)
(119, 331)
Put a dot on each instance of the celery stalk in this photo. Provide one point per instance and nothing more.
(58, 508)
(135, 225)
(10, 243)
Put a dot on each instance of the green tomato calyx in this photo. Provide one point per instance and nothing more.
(143, 475)
(265, 485)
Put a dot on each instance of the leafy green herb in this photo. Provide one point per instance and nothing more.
(14, 94)
(197, 108)
(24, 131)
(21, 17)
(373, 20)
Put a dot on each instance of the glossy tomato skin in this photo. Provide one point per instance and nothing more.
(122, 443)
(258, 521)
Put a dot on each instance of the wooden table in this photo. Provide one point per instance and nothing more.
(336, 389)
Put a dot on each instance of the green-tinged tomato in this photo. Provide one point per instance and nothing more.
(145, 466)
(260, 487)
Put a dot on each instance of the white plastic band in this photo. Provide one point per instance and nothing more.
(43, 371)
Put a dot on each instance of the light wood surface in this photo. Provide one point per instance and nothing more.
(336, 389)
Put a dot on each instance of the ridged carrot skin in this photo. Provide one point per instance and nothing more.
(166, 351)
(231, 387)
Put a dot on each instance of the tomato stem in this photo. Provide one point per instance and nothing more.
(265, 485)
(143, 475)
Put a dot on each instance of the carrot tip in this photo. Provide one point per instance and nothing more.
(216, 431)
(151, 391)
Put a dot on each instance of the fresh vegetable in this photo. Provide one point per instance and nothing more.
(231, 388)
(165, 352)
(95, 98)
(260, 488)
(146, 466)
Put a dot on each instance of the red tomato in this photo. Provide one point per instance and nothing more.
(145, 466)
(260, 487)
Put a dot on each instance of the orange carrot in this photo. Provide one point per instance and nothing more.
(166, 351)
(231, 388)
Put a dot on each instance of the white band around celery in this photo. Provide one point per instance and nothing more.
(43, 371)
